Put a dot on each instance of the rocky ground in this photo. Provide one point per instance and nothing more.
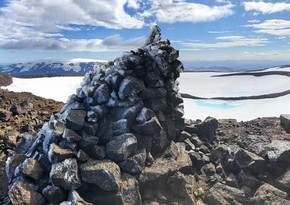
(22, 113)
(232, 162)
(5, 79)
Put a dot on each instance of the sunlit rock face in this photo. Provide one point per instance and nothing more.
(123, 117)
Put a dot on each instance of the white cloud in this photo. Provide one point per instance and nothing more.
(254, 21)
(133, 4)
(227, 42)
(223, 1)
(42, 21)
(266, 7)
(111, 43)
(170, 11)
(22, 18)
(277, 27)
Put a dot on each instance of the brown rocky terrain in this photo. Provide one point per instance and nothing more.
(22, 113)
(5, 79)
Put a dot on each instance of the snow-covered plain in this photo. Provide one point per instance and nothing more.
(199, 84)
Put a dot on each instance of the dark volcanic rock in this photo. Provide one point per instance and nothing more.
(206, 130)
(31, 168)
(121, 147)
(57, 154)
(130, 190)
(13, 162)
(65, 174)
(255, 143)
(284, 179)
(3, 180)
(246, 159)
(285, 122)
(4, 115)
(221, 194)
(269, 195)
(54, 194)
(134, 164)
(22, 193)
(278, 151)
(75, 119)
(105, 174)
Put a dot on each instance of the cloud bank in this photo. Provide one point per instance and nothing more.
(40, 24)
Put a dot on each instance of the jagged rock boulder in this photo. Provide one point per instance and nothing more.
(119, 125)
(285, 122)
(269, 195)
(221, 194)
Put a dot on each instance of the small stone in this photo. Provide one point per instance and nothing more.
(23, 193)
(102, 94)
(255, 143)
(149, 93)
(3, 180)
(285, 122)
(13, 162)
(268, 194)
(189, 145)
(157, 104)
(4, 115)
(207, 129)
(130, 190)
(98, 152)
(219, 153)
(106, 174)
(144, 115)
(223, 194)
(232, 181)
(88, 143)
(71, 135)
(90, 128)
(65, 174)
(246, 159)
(284, 179)
(130, 86)
(121, 147)
(75, 198)
(120, 127)
(183, 136)
(208, 169)
(247, 179)
(82, 156)
(149, 127)
(31, 168)
(278, 151)
(25, 143)
(181, 185)
(75, 119)
(54, 194)
(134, 164)
(57, 154)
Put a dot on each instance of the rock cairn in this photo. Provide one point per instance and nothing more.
(108, 139)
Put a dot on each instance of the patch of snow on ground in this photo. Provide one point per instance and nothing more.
(57, 88)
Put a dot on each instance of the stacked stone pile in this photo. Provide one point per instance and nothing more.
(104, 142)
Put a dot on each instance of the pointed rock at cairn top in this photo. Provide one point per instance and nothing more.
(154, 35)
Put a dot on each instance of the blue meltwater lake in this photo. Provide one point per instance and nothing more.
(218, 104)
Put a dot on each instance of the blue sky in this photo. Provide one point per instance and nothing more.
(102, 29)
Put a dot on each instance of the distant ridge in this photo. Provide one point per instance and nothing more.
(50, 68)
